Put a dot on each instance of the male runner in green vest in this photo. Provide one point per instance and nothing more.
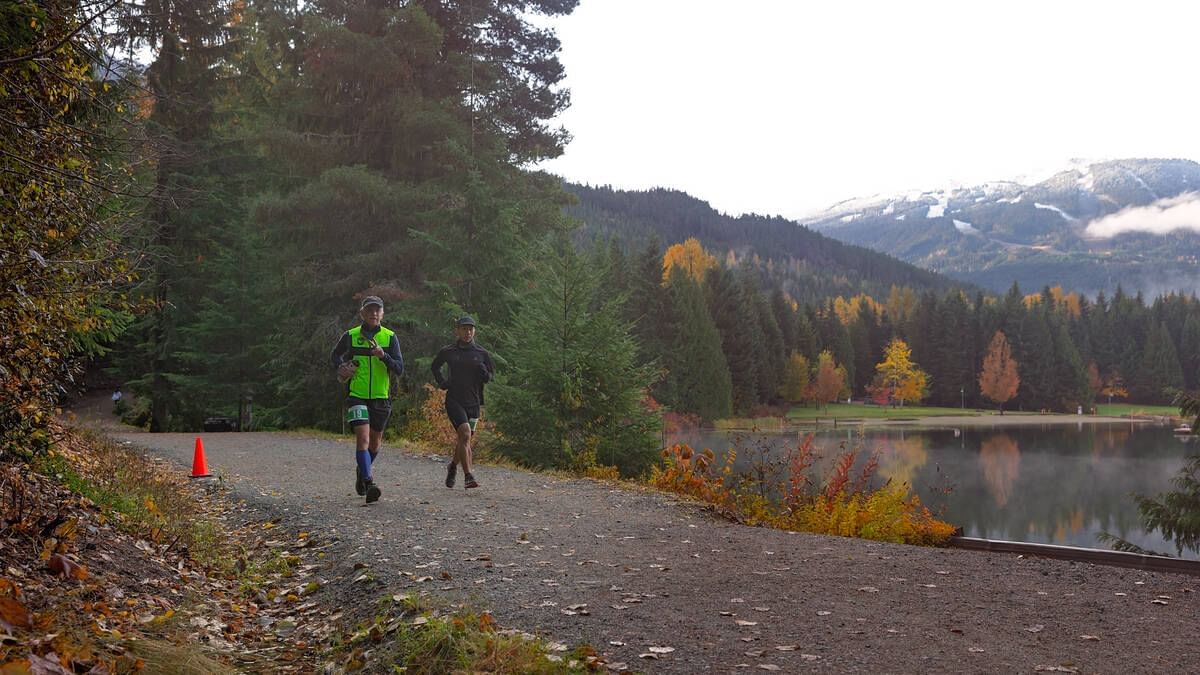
(363, 357)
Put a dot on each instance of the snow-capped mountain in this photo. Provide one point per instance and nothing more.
(1133, 222)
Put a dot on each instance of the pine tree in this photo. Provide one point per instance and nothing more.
(1189, 349)
(733, 311)
(573, 393)
(698, 378)
(407, 136)
(771, 355)
(191, 43)
(1159, 372)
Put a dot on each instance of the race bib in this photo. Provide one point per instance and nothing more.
(357, 412)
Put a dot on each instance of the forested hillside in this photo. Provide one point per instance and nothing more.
(806, 265)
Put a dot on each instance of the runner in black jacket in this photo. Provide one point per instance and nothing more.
(470, 368)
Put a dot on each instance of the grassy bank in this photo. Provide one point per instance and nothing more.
(1137, 409)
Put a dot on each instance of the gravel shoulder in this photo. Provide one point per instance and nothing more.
(625, 569)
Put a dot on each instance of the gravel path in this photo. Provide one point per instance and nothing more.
(625, 570)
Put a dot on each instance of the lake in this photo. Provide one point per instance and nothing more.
(1055, 484)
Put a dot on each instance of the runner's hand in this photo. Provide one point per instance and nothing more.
(346, 371)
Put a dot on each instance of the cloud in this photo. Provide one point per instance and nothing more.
(1163, 216)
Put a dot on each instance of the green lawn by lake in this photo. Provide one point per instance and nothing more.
(862, 411)
(1119, 409)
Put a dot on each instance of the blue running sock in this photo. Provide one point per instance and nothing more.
(374, 454)
(364, 463)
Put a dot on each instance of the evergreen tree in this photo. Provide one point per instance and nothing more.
(188, 198)
(698, 378)
(733, 311)
(1035, 353)
(1189, 350)
(771, 355)
(807, 341)
(1070, 374)
(1159, 372)
(572, 396)
(407, 135)
(833, 337)
(646, 309)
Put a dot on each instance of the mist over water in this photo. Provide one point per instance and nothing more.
(1054, 484)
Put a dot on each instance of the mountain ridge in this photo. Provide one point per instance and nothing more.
(1045, 234)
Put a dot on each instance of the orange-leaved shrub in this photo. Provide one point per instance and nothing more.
(780, 492)
(429, 426)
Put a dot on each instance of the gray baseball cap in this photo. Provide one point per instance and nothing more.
(465, 320)
(371, 300)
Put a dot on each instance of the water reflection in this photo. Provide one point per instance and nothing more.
(900, 459)
(1001, 460)
(1049, 484)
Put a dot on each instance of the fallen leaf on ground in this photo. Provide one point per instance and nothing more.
(768, 666)
(13, 614)
(786, 648)
(1036, 628)
(743, 622)
(662, 650)
(1093, 638)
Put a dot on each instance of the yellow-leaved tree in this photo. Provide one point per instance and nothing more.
(899, 374)
(689, 256)
(796, 378)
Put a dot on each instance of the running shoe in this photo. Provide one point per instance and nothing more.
(372, 492)
(469, 481)
(360, 485)
(451, 473)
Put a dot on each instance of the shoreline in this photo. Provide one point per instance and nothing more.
(943, 421)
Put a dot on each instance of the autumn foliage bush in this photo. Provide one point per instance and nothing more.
(429, 426)
(783, 493)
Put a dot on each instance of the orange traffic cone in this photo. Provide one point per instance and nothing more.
(199, 465)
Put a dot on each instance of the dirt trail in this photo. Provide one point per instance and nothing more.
(624, 570)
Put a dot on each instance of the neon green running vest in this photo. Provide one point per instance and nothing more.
(371, 376)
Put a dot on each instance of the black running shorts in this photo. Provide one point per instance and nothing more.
(460, 414)
(360, 411)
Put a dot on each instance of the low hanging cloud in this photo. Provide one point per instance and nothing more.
(1163, 216)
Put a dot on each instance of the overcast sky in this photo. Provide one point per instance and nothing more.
(786, 107)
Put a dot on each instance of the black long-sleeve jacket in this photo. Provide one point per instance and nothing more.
(470, 368)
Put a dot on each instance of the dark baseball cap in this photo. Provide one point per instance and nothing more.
(465, 320)
(371, 300)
